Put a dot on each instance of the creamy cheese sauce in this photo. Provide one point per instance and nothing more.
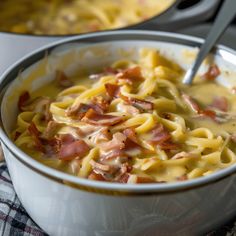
(133, 122)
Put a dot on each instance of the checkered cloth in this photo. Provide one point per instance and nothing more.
(14, 220)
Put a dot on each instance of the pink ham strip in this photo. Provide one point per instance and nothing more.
(220, 103)
(92, 117)
(130, 133)
(23, 99)
(117, 142)
(195, 107)
(51, 130)
(76, 149)
(112, 90)
(162, 138)
(191, 103)
(212, 73)
(138, 103)
(133, 74)
(34, 132)
(62, 79)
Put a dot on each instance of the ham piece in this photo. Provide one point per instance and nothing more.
(76, 149)
(132, 74)
(212, 73)
(94, 118)
(62, 79)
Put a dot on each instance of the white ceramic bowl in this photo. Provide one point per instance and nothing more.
(86, 207)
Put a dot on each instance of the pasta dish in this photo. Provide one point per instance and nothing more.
(59, 17)
(132, 122)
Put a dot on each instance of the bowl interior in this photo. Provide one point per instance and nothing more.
(75, 57)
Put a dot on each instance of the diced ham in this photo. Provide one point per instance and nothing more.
(95, 176)
(166, 116)
(34, 132)
(114, 173)
(76, 149)
(102, 167)
(62, 79)
(128, 109)
(162, 138)
(66, 139)
(78, 110)
(17, 135)
(191, 103)
(51, 130)
(212, 73)
(182, 178)
(168, 145)
(185, 155)
(220, 103)
(132, 74)
(108, 172)
(100, 104)
(160, 135)
(122, 175)
(144, 180)
(233, 138)
(92, 117)
(142, 105)
(196, 108)
(208, 113)
(135, 179)
(117, 142)
(101, 135)
(132, 148)
(54, 144)
(23, 99)
(113, 154)
(112, 90)
(124, 178)
(130, 133)
(107, 71)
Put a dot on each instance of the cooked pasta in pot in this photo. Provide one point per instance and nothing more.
(133, 122)
(59, 17)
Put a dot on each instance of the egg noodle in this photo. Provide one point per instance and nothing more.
(58, 17)
(133, 122)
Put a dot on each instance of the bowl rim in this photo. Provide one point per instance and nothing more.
(8, 76)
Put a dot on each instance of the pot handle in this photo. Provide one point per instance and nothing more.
(175, 18)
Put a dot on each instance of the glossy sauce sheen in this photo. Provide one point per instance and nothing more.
(149, 128)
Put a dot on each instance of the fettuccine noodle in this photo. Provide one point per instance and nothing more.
(137, 124)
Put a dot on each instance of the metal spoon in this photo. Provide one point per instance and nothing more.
(223, 19)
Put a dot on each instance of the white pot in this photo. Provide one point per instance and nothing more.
(86, 207)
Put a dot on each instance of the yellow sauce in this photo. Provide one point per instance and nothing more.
(197, 142)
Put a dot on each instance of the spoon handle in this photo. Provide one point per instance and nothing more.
(223, 19)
